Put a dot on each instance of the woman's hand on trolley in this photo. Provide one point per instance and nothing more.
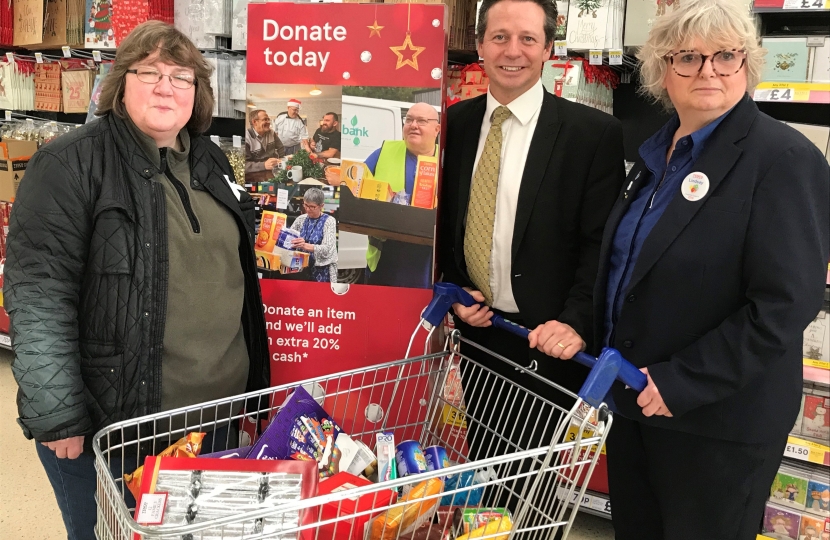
(651, 401)
(477, 315)
(556, 339)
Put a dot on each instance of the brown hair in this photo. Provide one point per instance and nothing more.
(173, 48)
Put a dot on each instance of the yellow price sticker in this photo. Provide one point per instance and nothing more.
(821, 364)
(570, 436)
(816, 453)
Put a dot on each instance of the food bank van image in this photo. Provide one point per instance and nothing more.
(365, 124)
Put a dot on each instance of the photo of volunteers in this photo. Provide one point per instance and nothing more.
(398, 165)
(286, 169)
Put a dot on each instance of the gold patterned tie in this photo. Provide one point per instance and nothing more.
(481, 210)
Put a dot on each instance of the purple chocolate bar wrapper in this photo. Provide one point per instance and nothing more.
(233, 453)
(275, 443)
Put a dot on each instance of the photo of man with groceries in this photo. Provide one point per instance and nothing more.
(263, 149)
(402, 172)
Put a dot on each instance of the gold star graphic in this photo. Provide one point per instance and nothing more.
(407, 46)
(375, 29)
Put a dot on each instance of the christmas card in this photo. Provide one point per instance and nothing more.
(786, 59)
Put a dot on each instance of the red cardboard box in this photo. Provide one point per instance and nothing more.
(350, 529)
(469, 91)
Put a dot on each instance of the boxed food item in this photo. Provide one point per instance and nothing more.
(15, 158)
(352, 173)
(353, 528)
(376, 190)
(816, 421)
(790, 487)
(426, 181)
(182, 491)
(781, 523)
(269, 231)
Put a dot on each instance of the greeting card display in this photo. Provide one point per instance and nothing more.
(781, 523)
(786, 59)
(338, 134)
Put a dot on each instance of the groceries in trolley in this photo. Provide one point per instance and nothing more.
(265, 475)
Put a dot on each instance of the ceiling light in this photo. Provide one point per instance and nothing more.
(315, 91)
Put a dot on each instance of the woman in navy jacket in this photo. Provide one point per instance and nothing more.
(713, 263)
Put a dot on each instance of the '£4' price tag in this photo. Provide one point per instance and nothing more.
(804, 4)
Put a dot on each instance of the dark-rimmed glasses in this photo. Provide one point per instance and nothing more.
(182, 81)
(724, 63)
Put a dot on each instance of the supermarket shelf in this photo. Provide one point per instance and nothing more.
(807, 450)
(5, 341)
(598, 504)
(817, 371)
(788, 92)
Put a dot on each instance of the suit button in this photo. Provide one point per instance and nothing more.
(628, 343)
(631, 298)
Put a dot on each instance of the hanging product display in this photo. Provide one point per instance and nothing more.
(48, 95)
(239, 25)
(562, 19)
(577, 80)
(192, 19)
(17, 84)
(595, 24)
(99, 33)
(77, 89)
(6, 23)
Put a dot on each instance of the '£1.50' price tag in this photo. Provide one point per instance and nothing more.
(796, 451)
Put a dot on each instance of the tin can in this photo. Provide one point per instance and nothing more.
(436, 458)
(410, 458)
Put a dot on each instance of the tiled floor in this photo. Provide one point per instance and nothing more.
(27, 504)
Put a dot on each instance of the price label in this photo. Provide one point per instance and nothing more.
(151, 509)
(595, 57)
(560, 48)
(796, 451)
(615, 57)
(8, 115)
(39, 57)
(96, 55)
(237, 141)
(601, 505)
(282, 199)
(214, 139)
(10, 56)
(804, 4)
(775, 94)
(66, 52)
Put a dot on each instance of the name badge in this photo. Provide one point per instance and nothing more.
(695, 186)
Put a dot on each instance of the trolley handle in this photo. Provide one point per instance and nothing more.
(447, 294)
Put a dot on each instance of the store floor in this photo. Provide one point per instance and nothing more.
(27, 505)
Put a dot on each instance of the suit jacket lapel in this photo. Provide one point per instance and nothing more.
(538, 156)
(469, 148)
(718, 158)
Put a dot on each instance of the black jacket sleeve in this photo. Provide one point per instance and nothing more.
(602, 188)
(49, 237)
(784, 264)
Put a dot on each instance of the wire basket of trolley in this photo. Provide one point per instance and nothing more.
(387, 452)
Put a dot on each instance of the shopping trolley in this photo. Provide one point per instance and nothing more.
(533, 467)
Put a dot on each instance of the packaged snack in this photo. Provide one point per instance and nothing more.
(353, 527)
(410, 459)
(301, 430)
(407, 518)
(781, 523)
(188, 446)
(790, 488)
(436, 458)
(467, 520)
(501, 525)
(233, 453)
(816, 422)
(818, 496)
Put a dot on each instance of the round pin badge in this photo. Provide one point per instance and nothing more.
(695, 186)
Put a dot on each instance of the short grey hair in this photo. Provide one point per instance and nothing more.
(722, 24)
(314, 196)
(255, 115)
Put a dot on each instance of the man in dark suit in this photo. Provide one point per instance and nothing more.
(523, 207)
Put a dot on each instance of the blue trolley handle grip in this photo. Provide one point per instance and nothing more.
(446, 294)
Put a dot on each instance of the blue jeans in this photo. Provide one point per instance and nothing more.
(75, 483)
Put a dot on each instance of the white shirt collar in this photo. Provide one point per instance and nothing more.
(524, 107)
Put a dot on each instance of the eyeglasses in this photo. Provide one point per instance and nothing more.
(421, 122)
(724, 63)
(311, 206)
(182, 81)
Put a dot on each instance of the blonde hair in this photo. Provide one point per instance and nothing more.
(722, 24)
